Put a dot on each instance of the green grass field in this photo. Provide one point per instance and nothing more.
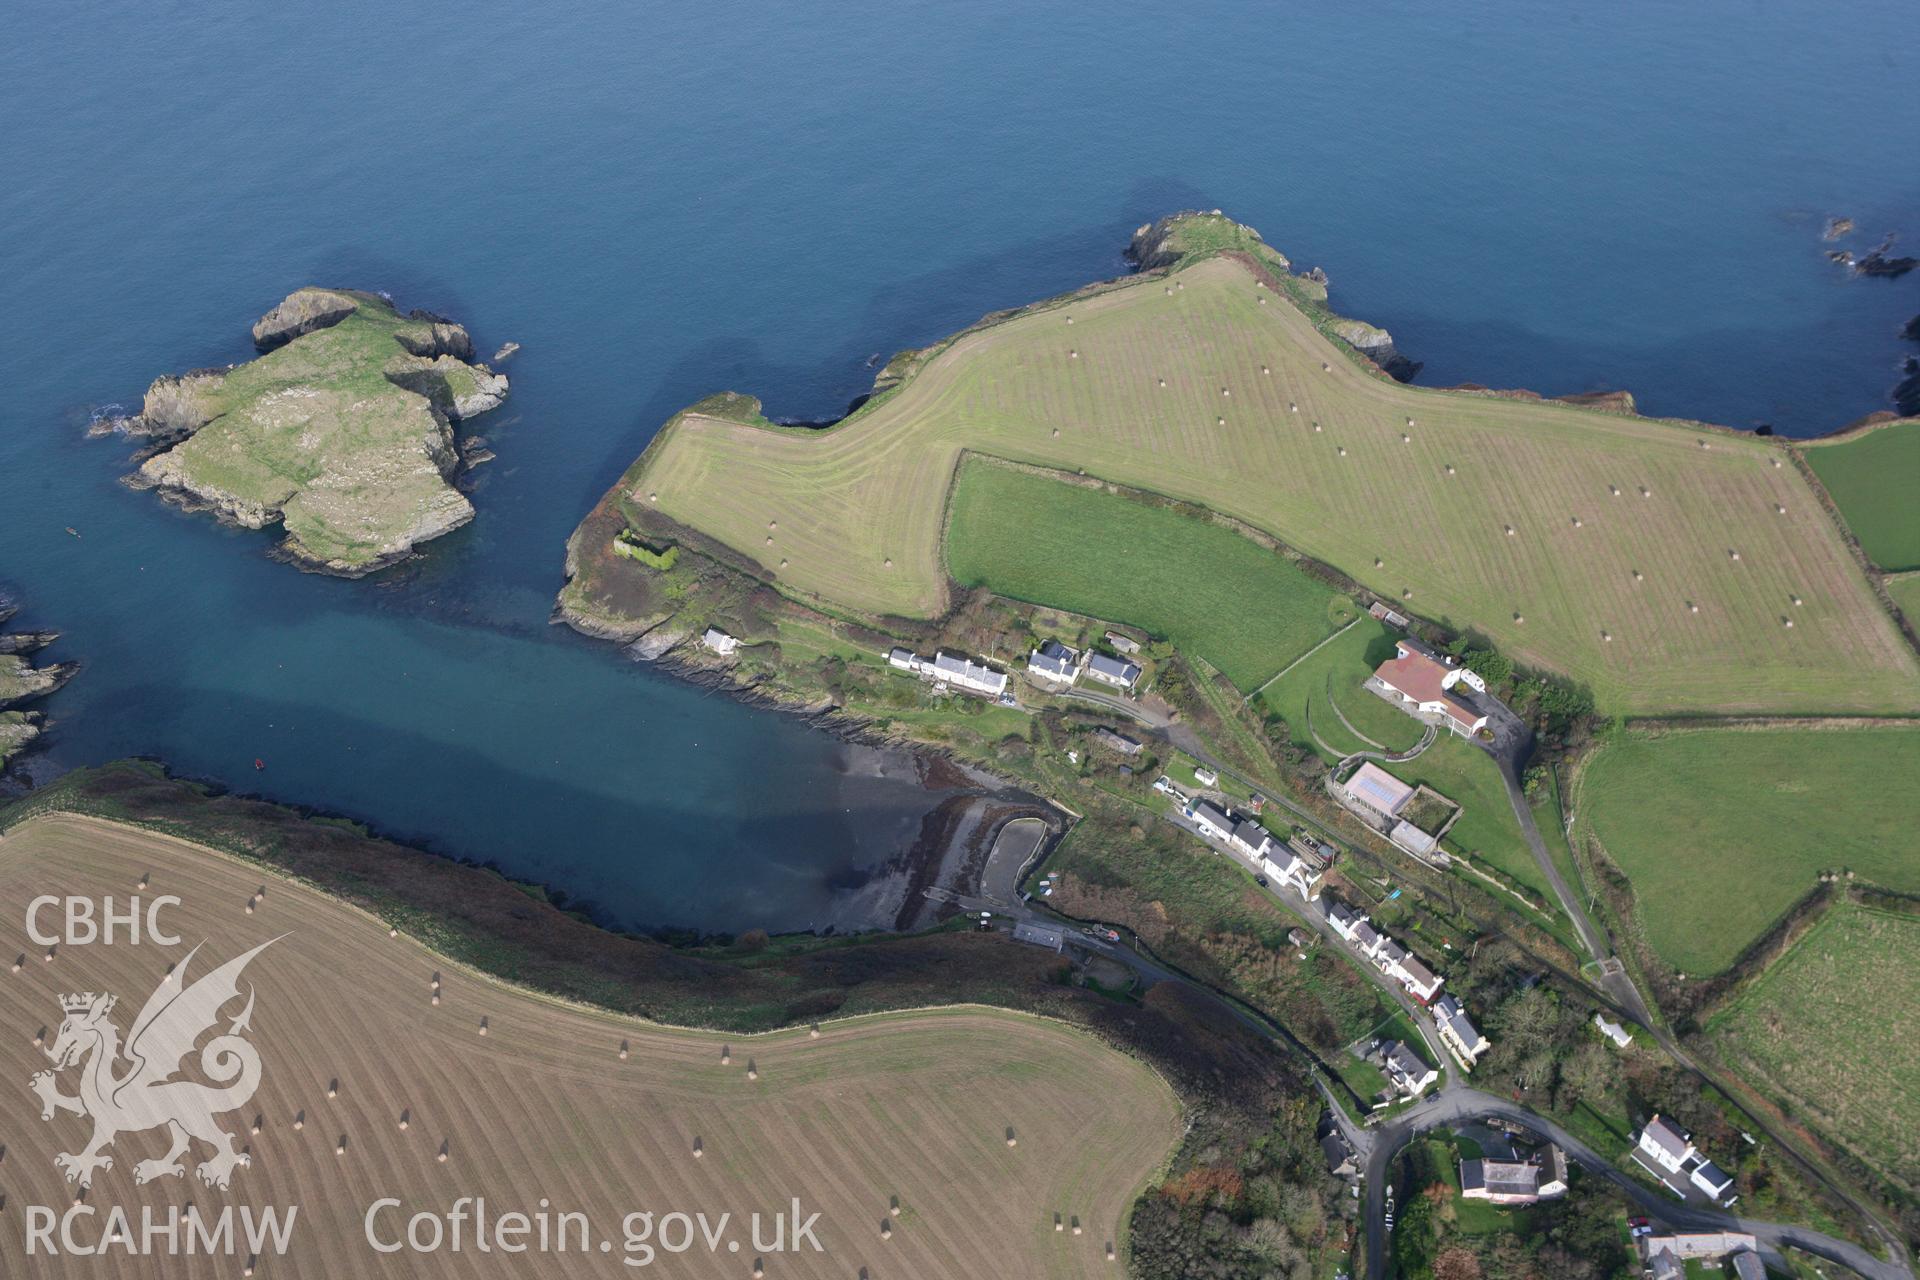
(1905, 591)
(1246, 610)
(1205, 387)
(1871, 477)
(1832, 1025)
(1721, 830)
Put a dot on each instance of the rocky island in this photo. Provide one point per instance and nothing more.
(341, 431)
(22, 682)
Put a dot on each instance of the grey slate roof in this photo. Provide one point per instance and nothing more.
(1113, 668)
(1251, 834)
(1672, 1139)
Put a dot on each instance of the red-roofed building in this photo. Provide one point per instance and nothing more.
(1421, 683)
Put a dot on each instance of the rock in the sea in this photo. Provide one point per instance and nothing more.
(1376, 344)
(342, 433)
(506, 350)
(304, 311)
(1906, 392)
(1836, 227)
(1911, 330)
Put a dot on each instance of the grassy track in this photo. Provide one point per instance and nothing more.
(853, 514)
(1247, 610)
(1722, 830)
(1832, 1024)
(913, 1105)
(1872, 477)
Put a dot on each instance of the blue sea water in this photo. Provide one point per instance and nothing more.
(660, 200)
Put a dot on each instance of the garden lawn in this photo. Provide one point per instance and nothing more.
(1247, 610)
(1722, 830)
(1300, 697)
(1871, 477)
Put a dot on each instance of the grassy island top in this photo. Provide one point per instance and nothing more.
(340, 432)
(1672, 567)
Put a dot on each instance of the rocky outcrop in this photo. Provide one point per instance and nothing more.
(457, 389)
(1884, 264)
(1376, 344)
(175, 406)
(304, 311)
(21, 682)
(436, 337)
(1166, 242)
(342, 433)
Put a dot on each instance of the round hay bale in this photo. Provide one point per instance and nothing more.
(887, 563)
(1796, 602)
(893, 1206)
(1069, 319)
(483, 1026)
(1058, 1224)
(1292, 407)
(1509, 531)
(255, 1127)
(1518, 618)
(753, 1072)
(299, 1121)
(1325, 367)
(1011, 1140)
(1378, 563)
(699, 1148)
(1406, 593)
(770, 536)
(406, 1119)
(1732, 554)
(333, 1088)
(145, 878)
(1056, 434)
(1225, 392)
(1636, 576)
(653, 497)
(1449, 468)
(813, 1032)
(340, 1148)
(1786, 622)
(393, 933)
(1075, 1224)
(886, 1228)
(1264, 370)
(1779, 509)
(1163, 382)
(1607, 636)
(1073, 355)
(783, 562)
(1576, 522)
(1343, 451)
(726, 1054)
(440, 1157)
(1692, 607)
(1220, 421)
(624, 1050)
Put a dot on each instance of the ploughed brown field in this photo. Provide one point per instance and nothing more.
(917, 1106)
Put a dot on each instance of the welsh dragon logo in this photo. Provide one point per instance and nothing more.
(143, 1094)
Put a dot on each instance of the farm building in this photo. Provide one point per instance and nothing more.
(719, 641)
(1117, 672)
(1286, 866)
(1378, 790)
(1423, 684)
(1054, 661)
(1543, 1176)
(1122, 644)
(1386, 615)
(1211, 819)
(1405, 968)
(1040, 936)
(1407, 1070)
(1206, 777)
(1621, 1037)
(1252, 839)
(1667, 1152)
(1300, 940)
(1341, 1161)
(1118, 742)
(1667, 1256)
(1457, 1031)
(1415, 841)
(1343, 918)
